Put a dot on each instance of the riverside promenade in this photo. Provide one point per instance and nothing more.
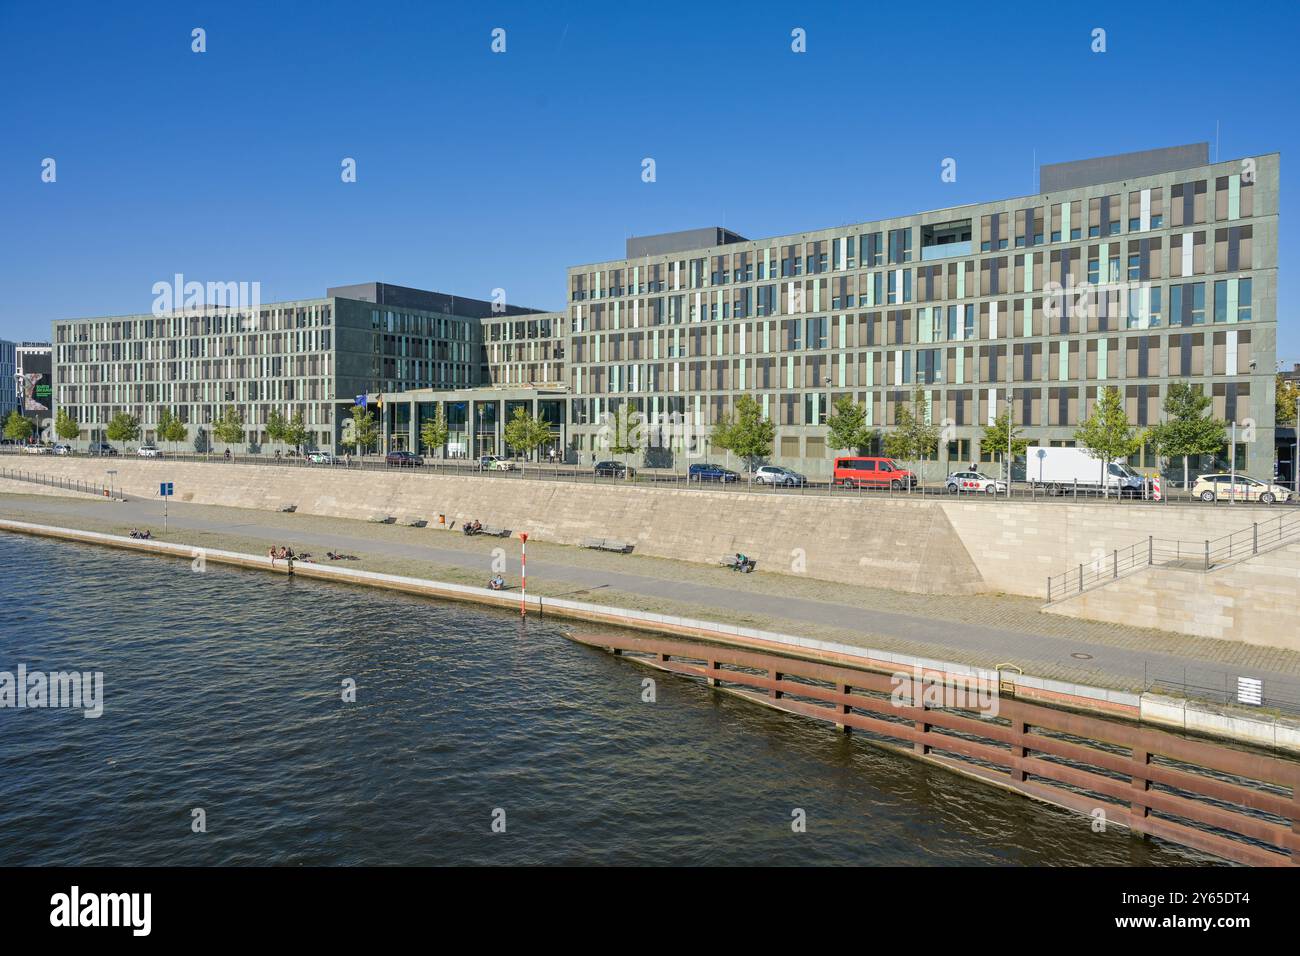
(979, 630)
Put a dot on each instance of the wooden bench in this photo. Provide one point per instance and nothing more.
(380, 519)
(608, 544)
(413, 522)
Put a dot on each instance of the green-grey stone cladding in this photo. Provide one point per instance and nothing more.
(1183, 266)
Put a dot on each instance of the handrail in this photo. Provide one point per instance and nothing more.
(1204, 555)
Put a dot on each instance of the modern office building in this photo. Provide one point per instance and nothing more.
(1129, 271)
(10, 386)
(312, 356)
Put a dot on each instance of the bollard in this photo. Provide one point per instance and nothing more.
(1207, 554)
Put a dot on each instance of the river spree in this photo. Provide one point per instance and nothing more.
(223, 703)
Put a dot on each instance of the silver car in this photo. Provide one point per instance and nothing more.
(776, 475)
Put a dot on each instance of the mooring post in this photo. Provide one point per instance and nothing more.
(1138, 809)
(843, 708)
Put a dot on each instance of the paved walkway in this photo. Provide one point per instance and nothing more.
(981, 630)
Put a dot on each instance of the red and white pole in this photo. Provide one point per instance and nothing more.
(523, 573)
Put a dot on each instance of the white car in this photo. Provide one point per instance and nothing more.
(147, 451)
(37, 449)
(321, 458)
(1222, 488)
(62, 449)
(968, 482)
(495, 463)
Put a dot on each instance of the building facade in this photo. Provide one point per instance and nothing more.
(310, 357)
(1128, 272)
(1165, 271)
(10, 386)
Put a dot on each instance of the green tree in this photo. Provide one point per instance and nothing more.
(1107, 434)
(1187, 430)
(525, 433)
(995, 439)
(173, 430)
(434, 434)
(65, 426)
(847, 426)
(296, 432)
(275, 426)
(17, 427)
(625, 433)
(365, 430)
(124, 428)
(748, 435)
(229, 428)
(913, 437)
(1287, 394)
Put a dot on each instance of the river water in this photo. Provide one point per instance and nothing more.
(223, 693)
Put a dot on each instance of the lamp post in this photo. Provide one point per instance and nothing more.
(111, 472)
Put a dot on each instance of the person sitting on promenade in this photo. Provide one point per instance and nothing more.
(498, 583)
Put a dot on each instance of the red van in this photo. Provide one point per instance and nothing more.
(858, 472)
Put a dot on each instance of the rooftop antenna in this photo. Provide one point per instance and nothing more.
(1216, 141)
(1033, 173)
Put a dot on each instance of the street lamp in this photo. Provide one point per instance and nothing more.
(111, 472)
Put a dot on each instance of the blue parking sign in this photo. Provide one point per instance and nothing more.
(165, 489)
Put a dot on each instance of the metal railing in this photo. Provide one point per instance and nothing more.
(677, 479)
(1203, 555)
(54, 481)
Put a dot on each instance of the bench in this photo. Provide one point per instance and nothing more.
(492, 532)
(414, 522)
(288, 509)
(380, 519)
(608, 544)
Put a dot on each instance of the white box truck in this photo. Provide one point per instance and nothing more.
(1064, 469)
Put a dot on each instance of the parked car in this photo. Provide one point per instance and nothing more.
(101, 448)
(776, 475)
(37, 449)
(972, 481)
(321, 458)
(147, 451)
(614, 469)
(1245, 488)
(860, 472)
(403, 459)
(62, 449)
(706, 472)
(495, 463)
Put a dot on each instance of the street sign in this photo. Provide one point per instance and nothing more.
(165, 489)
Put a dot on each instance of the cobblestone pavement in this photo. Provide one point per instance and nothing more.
(984, 630)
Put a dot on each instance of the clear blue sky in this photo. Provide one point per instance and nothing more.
(478, 170)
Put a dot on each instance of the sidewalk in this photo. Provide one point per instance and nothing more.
(981, 630)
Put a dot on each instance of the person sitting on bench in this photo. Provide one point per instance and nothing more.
(474, 527)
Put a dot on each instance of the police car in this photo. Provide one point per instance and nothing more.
(968, 482)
